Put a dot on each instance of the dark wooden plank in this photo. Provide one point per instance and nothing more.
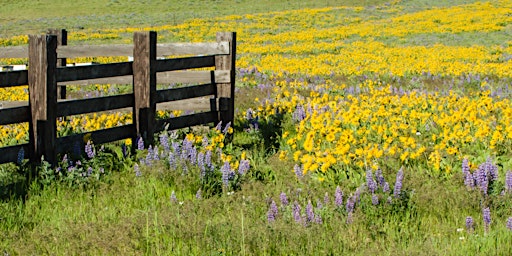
(186, 121)
(94, 71)
(14, 115)
(66, 144)
(185, 92)
(83, 106)
(185, 63)
(13, 78)
(10, 154)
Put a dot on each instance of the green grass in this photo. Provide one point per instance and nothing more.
(128, 215)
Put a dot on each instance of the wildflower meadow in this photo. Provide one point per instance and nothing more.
(374, 127)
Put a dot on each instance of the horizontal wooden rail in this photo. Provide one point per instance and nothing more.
(186, 121)
(170, 77)
(13, 78)
(185, 92)
(14, 115)
(66, 144)
(10, 153)
(168, 49)
(185, 63)
(94, 71)
(84, 106)
(14, 52)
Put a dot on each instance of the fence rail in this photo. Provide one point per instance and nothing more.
(47, 71)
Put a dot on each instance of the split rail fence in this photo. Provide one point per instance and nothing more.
(212, 90)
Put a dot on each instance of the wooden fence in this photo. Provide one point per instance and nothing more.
(213, 89)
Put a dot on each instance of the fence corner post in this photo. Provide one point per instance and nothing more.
(42, 80)
(226, 91)
(144, 84)
(62, 39)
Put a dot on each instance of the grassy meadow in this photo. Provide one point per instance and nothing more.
(362, 128)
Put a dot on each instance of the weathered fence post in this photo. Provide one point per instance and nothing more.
(144, 84)
(62, 39)
(42, 52)
(226, 91)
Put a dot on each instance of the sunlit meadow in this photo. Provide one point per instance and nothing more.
(384, 129)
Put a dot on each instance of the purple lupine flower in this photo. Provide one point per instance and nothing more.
(310, 215)
(284, 199)
(481, 179)
(509, 223)
(140, 143)
(319, 204)
(379, 177)
(172, 160)
(469, 224)
(173, 197)
(219, 126)
(296, 211)
(465, 166)
(486, 213)
(137, 170)
(89, 171)
(398, 183)
(469, 181)
(385, 187)
(375, 199)
(21, 156)
(201, 165)
(491, 170)
(176, 148)
(272, 212)
(370, 182)
(318, 219)
(186, 149)
(249, 114)
(298, 171)
(226, 128)
(351, 201)
(156, 154)
(299, 114)
(89, 150)
(225, 170)
(508, 181)
(338, 197)
(149, 156)
(164, 141)
(199, 194)
(208, 160)
(326, 198)
(244, 166)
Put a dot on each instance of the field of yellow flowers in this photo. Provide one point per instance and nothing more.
(329, 102)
